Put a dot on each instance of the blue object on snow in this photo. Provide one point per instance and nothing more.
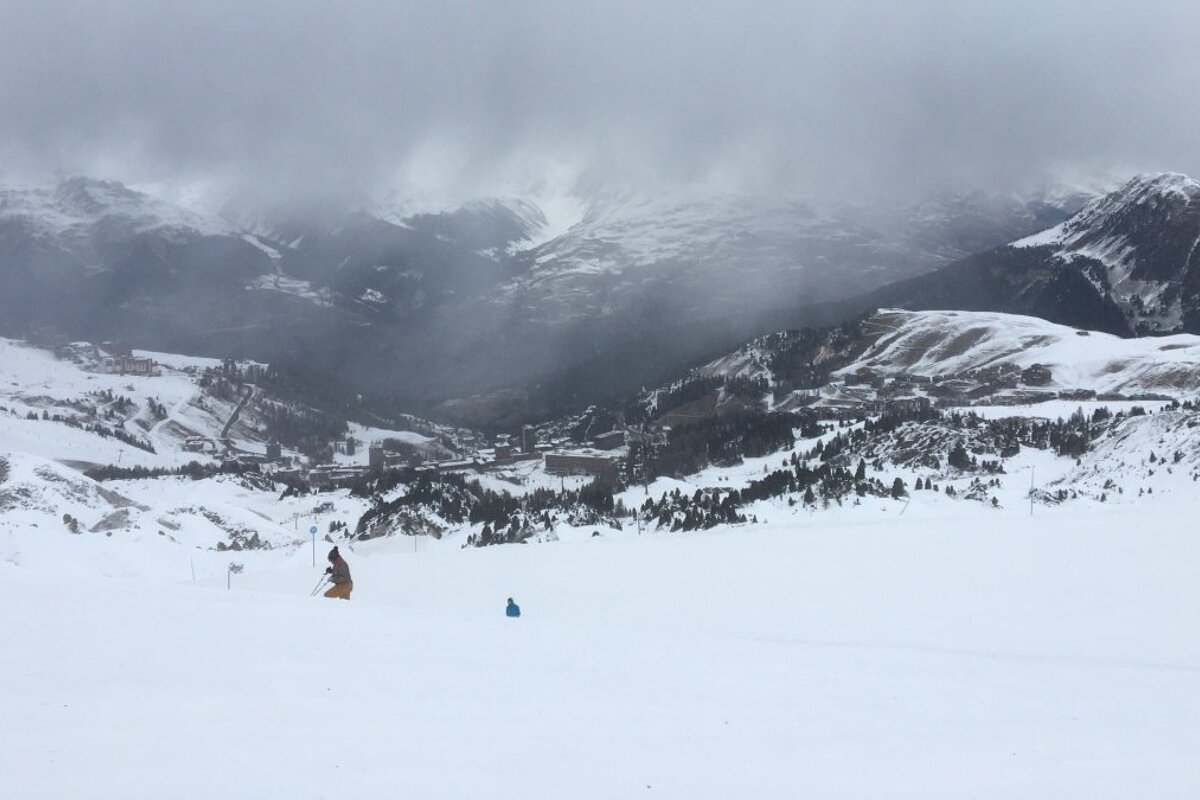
(512, 610)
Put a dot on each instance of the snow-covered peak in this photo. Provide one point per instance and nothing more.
(79, 203)
(1144, 238)
(1154, 197)
(1162, 183)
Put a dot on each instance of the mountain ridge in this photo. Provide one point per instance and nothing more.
(1127, 263)
(441, 306)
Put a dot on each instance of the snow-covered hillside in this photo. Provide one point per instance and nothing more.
(78, 205)
(963, 357)
(63, 416)
(956, 342)
(33, 383)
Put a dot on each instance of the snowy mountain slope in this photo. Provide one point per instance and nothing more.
(549, 282)
(802, 366)
(954, 342)
(1157, 453)
(1145, 236)
(753, 252)
(77, 206)
(1127, 263)
(34, 382)
(96, 259)
(59, 419)
(194, 519)
(158, 414)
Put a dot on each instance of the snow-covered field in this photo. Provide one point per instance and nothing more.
(969, 654)
(931, 646)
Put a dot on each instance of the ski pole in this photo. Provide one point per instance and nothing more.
(317, 588)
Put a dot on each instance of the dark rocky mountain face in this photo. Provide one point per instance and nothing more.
(1013, 280)
(475, 313)
(1128, 263)
(97, 259)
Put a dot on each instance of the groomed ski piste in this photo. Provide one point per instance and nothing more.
(925, 647)
(931, 655)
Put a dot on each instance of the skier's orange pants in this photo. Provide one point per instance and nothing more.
(341, 590)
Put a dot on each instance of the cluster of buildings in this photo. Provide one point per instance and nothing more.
(863, 391)
(599, 458)
(117, 358)
(109, 358)
(873, 392)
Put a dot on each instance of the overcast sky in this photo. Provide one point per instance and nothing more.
(462, 98)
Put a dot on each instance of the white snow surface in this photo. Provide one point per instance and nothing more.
(937, 654)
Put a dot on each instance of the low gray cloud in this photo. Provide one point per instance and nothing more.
(296, 96)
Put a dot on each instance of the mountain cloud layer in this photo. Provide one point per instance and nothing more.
(462, 98)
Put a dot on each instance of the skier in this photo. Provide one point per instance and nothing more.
(339, 575)
(512, 609)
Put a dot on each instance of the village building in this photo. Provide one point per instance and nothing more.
(602, 466)
(953, 392)
(610, 440)
(897, 405)
(999, 375)
(981, 392)
(199, 444)
(863, 376)
(129, 365)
